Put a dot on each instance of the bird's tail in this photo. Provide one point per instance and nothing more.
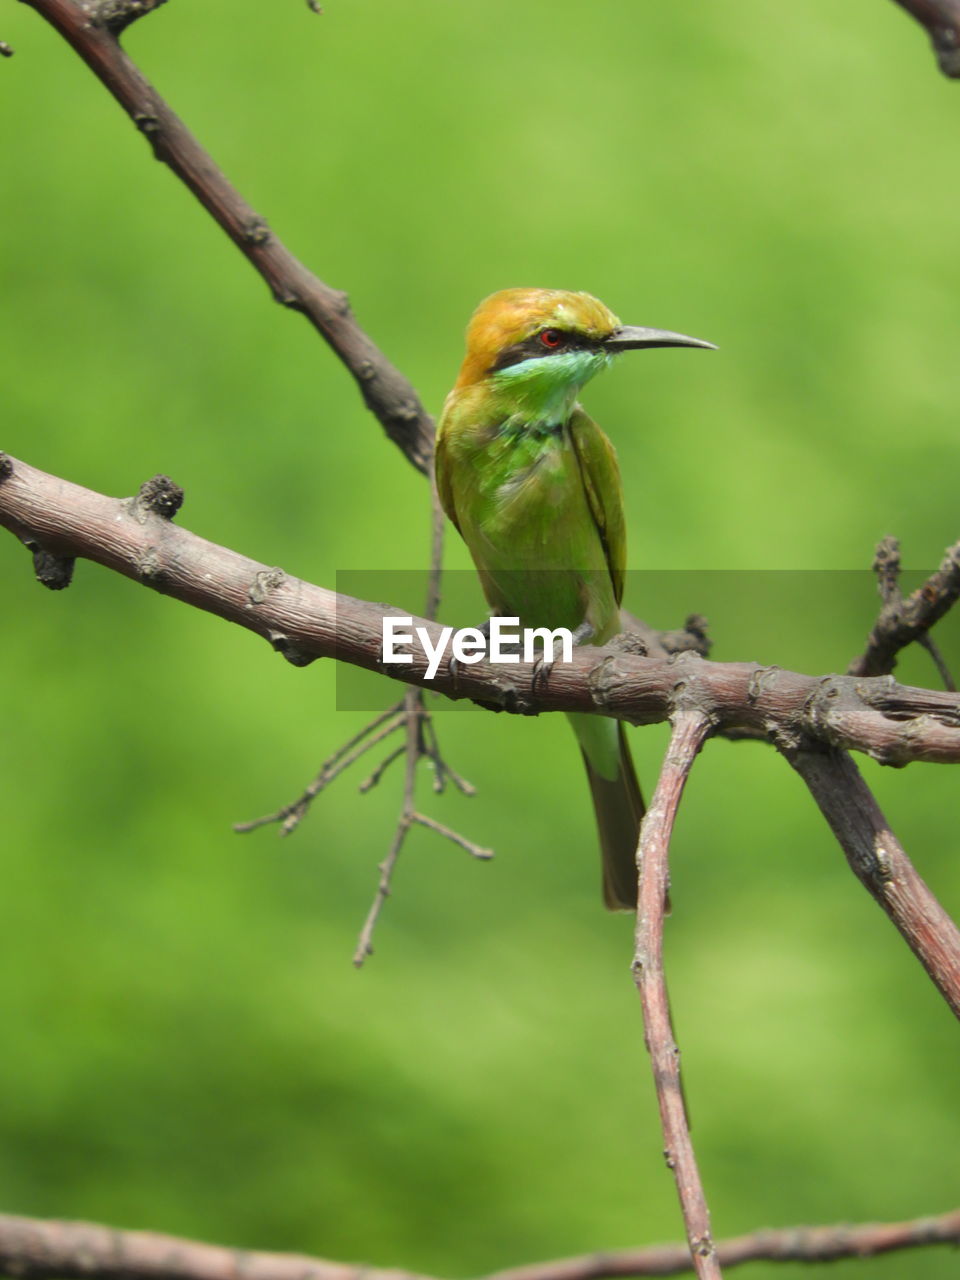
(617, 802)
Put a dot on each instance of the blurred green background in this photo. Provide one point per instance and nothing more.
(186, 1045)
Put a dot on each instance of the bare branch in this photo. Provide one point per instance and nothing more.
(893, 723)
(941, 18)
(943, 671)
(879, 862)
(420, 742)
(414, 716)
(36, 1249)
(290, 815)
(404, 823)
(690, 731)
(386, 392)
(373, 779)
(902, 619)
(478, 851)
(795, 1244)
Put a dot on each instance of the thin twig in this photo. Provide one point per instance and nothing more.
(475, 850)
(886, 565)
(290, 815)
(792, 1244)
(406, 819)
(373, 779)
(943, 671)
(905, 619)
(442, 770)
(420, 742)
(690, 730)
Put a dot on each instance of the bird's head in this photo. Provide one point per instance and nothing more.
(542, 345)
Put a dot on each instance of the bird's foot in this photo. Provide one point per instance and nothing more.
(584, 633)
(544, 665)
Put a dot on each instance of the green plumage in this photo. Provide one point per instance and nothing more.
(533, 486)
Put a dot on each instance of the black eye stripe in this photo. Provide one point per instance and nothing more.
(533, 349)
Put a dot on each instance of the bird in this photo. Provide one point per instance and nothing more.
(533, 486)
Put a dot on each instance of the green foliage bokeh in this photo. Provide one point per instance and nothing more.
(186, 1045)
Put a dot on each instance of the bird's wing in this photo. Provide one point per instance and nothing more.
(442, 472)
(601, 481)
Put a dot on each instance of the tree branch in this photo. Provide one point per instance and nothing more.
(386, 392)
(37, 1249)
(690, 731)
(879, 862)
(414, 750)
(905, 619)
(893, 723)
(941, 19)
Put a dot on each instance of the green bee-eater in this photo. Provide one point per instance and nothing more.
(533, 486)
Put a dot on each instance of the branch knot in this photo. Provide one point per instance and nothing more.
(116, 15)
(159, 496)
(265, 582)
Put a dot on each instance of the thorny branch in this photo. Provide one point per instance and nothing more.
(37, 1249)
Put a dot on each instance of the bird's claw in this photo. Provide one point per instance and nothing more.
(541, 674)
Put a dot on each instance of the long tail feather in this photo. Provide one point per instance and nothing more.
(618, 805)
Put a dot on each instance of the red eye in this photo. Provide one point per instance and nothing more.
(551, 338)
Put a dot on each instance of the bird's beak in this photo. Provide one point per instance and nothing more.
(632, 338)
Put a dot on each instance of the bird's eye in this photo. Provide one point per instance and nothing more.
(551, 338)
